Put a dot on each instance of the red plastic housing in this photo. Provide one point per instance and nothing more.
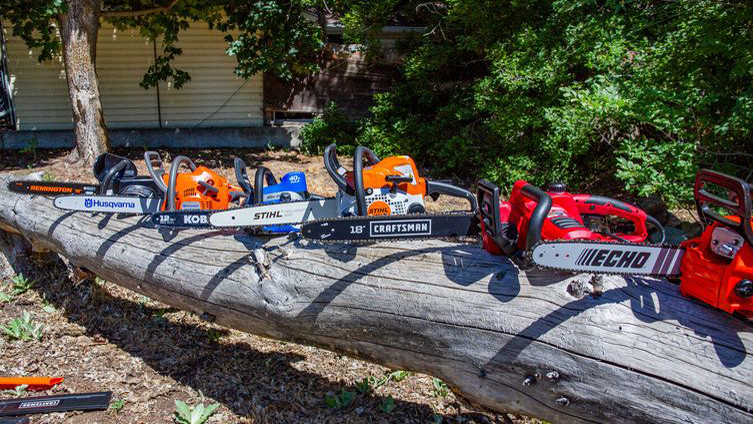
(711, 278)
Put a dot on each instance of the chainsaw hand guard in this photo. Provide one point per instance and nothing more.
(737, 201)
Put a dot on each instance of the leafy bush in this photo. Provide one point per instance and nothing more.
(331, 127)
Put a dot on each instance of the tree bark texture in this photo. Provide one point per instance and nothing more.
(526, 342)
(78, 30)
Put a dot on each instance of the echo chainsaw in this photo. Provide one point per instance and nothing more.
(266, 190)
(551, 230)
(384, 200)
(121, 190)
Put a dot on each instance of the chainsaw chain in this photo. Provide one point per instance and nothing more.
(602, 242)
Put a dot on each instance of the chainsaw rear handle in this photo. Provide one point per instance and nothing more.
(604, 206)
(435, 188)
(335, 170)
(539, 214)
(263, 174)
(738, 201)
(241, 175)
(358, 176)
(156, 169)
(177, 162)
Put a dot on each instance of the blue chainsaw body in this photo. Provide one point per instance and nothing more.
(294, 185)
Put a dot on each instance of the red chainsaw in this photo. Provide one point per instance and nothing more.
(563, 231)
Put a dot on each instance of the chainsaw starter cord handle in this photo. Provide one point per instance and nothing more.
(438, 187)
(358, 176)
(155, 169)
(241, 174)
(262, 173)
(335, 170)
(177, 162)
(540, 212)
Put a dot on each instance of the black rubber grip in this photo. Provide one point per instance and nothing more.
(262, 174)
(241, 175)
(436, 187)
(333, 167)
(602, 200)
(540, 212)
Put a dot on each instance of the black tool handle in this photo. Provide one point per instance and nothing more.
(241, 174)
(373, 159)
(177, 162)
(335, 170)
(109, 178)
(156, 169)
(263, 174)
(540, 212)
(435, 188)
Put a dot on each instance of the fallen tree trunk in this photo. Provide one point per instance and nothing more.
(529, 343)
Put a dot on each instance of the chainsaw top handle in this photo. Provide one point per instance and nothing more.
(177, 162)
(737, 201)
(539, 214)
(358, 176)
(156, 169)
(262, 174)
(435, 188)
(604, 206)
(241, 175)
(335, 170)
(109, 168)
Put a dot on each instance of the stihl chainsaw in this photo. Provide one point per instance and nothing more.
(382, 200)
(123, 191)
(716, 267)
(291, 188)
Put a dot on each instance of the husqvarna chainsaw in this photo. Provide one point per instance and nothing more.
(123, 191)
(266, 190)
(384, 200)
(716, 267)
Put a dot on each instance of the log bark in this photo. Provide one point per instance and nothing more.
(78, 31)
(506, 340)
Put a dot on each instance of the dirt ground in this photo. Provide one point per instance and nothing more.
(102, 337)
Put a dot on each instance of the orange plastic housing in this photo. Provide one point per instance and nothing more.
(188, 189)
(33, 383)
(711, 278)
(375, 176)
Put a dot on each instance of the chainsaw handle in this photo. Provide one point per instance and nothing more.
(590, 204)
(262, 173)
(177, 162)
(435, 188)
(335, 170)
(739, 205)
(539, 214)
(155, 169)
(358, 177)
(241, 174)
(109, 177)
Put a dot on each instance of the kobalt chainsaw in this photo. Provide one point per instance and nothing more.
(716, 267)
(384, 200)
(266, 190)
(121, 190)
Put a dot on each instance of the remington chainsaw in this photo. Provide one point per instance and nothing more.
(121, 190)
(266, 190)
(716, 267)
(384, 200)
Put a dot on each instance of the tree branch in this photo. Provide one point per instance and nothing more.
(133, 13)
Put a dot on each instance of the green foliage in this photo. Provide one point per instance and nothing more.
(331, 127)
(21, 284)
(341, 400)
(440, 388)
(5, 298)
(116, 405)
(366, 385)
(197, 414)
(387, 405)
(23, 328)
(17, 391)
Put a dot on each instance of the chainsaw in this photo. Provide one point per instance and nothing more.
(520, 227)
(266, 190)
(384, 200)
(715, 267)
(121, 190)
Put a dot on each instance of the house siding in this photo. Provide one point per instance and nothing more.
(214, 97)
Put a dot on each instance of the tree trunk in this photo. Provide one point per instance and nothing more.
(507, 340)
(78, 30)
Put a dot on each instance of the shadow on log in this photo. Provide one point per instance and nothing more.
(509, 341)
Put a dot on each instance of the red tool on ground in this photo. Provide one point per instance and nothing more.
(33, 383)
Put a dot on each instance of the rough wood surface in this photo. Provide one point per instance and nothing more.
(637, 353)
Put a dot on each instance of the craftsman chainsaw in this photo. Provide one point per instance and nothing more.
(121, 190)
(384, 200)
(716, 267)
(266, 190)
